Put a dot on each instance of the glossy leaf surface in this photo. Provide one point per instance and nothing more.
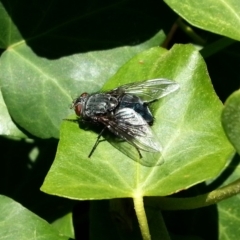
(231, 119)
(7, 126)
(39, 91)
(19, 223)
(221, 17)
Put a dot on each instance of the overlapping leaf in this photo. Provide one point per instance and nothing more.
(39, 91)
(19, 223)
(231, 119)
(7, 126)
(221, 17)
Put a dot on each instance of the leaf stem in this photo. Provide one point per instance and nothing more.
(141, 216)
(158, 227)
(203, 200)
(190, 32)
(216, 47)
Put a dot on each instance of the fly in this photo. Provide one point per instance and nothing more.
(124, 111)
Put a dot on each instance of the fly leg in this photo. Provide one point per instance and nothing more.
(150, 102)
(96, 143)
(71, 120)
(140, 155)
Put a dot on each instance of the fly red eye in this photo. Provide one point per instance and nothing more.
(78, 109)
(78, 103)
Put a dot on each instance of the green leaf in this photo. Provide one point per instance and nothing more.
(7, 126)
(221, 17)
(39, 91)
(188, 125)
(64, 225)
(19, 223)
(231, 119)
(228, 210)
(9, 32)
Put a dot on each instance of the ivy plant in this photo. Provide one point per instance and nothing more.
(51, 52)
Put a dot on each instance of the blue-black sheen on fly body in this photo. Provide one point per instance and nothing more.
(124, 111)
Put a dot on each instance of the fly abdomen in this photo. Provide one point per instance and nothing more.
(135, 103)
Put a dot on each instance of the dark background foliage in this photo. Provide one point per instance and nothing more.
(56, 29)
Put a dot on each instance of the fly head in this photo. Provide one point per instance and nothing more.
(78, 104)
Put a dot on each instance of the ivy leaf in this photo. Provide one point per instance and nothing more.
(221, 17)
(19, 223)
(7, 126)
(228, 211)
(188, 125)
(38, 91)
(231, 119)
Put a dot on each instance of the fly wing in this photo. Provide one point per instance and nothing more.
(130, 126)
(150, 90)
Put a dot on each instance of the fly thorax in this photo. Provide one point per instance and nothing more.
(100, 104)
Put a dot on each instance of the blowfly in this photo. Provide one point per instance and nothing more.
(124, 111)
